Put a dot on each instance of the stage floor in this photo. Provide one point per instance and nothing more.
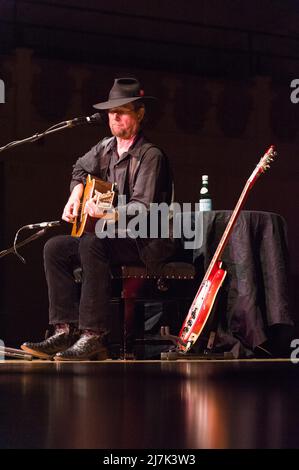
(231, 404)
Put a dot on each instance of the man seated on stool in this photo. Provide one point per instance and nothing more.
(142, 173)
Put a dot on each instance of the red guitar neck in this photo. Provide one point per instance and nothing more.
(260, 168)
(233, 218)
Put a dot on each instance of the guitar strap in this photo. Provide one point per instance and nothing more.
(105, 146)
(135, 163)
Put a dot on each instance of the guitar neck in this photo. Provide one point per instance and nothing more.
(233, 218)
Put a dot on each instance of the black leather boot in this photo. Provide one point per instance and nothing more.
(59, 341)
(87, 347)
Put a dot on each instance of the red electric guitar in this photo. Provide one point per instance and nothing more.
(204, 300)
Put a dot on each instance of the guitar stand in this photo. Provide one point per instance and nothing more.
(12, 353)
(175, 354)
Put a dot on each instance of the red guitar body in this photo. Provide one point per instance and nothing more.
(201, 307)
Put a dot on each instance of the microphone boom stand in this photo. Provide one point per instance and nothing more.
(11, 352)
(22, 243)
(5, 351)
(94, 119)
(37, 136)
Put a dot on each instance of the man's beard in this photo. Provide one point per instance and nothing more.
(122, 133)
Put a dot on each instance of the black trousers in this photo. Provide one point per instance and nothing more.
(89, 306)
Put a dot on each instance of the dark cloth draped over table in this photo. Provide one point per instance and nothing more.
(252, 307)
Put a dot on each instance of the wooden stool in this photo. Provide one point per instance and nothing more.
(139, 285)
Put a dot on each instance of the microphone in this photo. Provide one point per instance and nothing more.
(53, 223)
(94, 119)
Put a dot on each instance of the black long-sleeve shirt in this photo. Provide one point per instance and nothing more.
(142, 174)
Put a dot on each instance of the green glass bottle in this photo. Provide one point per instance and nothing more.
(205, 201)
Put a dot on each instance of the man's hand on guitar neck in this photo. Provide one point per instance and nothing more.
(71, 208)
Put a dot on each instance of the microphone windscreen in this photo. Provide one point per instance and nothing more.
(97, 117)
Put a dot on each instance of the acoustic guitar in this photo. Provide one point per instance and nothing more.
(105, 193)
(203, 302)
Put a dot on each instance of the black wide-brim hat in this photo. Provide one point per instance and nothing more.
(124, 90)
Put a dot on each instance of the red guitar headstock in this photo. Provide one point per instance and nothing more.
(265, 161)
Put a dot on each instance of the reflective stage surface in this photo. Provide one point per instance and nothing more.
(149, 405)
